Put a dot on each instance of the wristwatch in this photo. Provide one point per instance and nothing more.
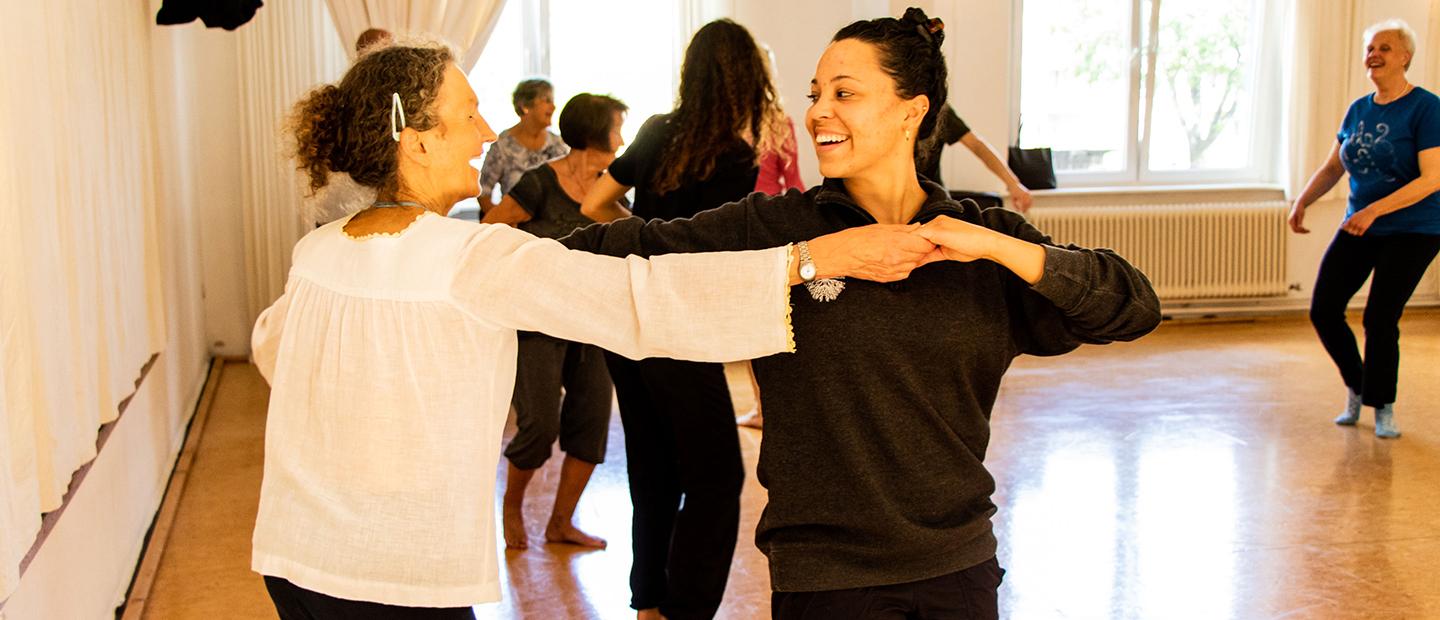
(807, 265)
(821, 289)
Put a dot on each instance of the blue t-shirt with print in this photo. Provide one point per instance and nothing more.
(1380, 146)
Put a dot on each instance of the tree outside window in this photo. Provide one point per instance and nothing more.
(1140, 90)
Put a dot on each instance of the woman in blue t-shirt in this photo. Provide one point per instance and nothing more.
(1389, 142)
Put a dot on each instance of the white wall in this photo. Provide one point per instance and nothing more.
(798, 31)
(208, 102)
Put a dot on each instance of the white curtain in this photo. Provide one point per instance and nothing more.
(463, 23)
(1322, 70)
(1432, 76)
(80, 294)
(288, 49)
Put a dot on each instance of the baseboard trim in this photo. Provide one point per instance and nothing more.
(1257, 308)
(154, 547)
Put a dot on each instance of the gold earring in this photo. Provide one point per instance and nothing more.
(907, 134)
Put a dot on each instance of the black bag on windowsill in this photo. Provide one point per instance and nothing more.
(1034, 167)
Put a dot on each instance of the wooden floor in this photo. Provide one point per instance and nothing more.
(1193, 474)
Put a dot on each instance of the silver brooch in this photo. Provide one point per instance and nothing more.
(825, 289)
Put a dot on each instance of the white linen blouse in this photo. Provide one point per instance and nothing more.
(391, 361)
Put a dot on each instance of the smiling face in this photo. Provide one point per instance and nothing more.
(1385, 55)
(541, 110)
(857, 121)
(458, 137)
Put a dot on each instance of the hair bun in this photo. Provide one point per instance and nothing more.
(931, 29)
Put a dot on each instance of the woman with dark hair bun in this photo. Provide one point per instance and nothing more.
(876, 430)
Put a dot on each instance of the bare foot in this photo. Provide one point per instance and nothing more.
(751, 420)
(569, 534)
(514, 523)
(649, 614)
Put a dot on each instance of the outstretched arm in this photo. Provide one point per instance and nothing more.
(508, 212)
(602, 202)
(704, 307)
(877, 252)
(1019, 194)
(1062, 296)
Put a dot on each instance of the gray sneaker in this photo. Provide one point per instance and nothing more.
(1385, 422)
(1351, 414)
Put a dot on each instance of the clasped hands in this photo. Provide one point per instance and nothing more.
(889, 252)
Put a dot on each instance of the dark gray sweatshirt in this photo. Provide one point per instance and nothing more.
(876, 427)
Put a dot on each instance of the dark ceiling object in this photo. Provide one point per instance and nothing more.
(227, 14)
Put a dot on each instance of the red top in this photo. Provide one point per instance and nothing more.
(778, 173)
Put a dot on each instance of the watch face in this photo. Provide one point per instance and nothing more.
(807, 272)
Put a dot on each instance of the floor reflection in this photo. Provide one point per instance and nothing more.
(1061, 533)
(1194, 474)
(1184, 529)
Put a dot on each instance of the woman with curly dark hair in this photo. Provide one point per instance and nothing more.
(879, 500)
(680, 440)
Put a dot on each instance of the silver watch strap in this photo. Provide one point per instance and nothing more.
(804, 247)
(821, 289)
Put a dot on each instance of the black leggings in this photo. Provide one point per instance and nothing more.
(970, 594)
(293, 602)
(1398, 262)
(683, 456)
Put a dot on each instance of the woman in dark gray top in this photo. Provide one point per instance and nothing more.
(545, 202)
(876, 428)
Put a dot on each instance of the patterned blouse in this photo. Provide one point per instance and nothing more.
(507, 159)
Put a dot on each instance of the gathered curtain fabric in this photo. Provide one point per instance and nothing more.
(1324, 55)
(81, 300)
(289, 49)
(1432, 74)
(464, 23)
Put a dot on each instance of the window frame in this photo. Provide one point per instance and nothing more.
(1262, 82)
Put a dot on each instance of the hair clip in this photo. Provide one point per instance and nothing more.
(397, 107)
(927, 27)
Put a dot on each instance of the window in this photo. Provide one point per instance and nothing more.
(581, 46)
(1147, 91)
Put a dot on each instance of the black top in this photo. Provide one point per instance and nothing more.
(948, 130)
(876, 427)
(553, 213)
(733, 178)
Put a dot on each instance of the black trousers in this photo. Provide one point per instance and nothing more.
(1398, 262)
(544, 365)
(970, 594)
(293, 602)
(685, 475)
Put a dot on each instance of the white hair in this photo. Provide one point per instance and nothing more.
(1398, 26)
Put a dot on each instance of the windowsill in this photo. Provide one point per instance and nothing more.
(1150, 194)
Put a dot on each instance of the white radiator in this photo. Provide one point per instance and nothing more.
(1191, 251)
